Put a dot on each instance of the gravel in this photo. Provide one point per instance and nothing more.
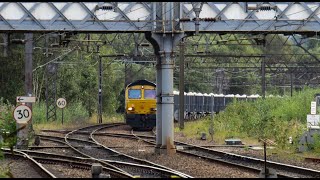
(45, 142)
(297, 161)
(19, 168)
(53, 134)
(193, 166)
(61, 151)
(190, 165)
(67, 171)
(118, 129)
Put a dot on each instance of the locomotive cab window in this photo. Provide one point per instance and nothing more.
(134, 94)
(149, 94)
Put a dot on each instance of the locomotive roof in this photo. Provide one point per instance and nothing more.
(142, 82)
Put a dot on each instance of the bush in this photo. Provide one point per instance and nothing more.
(274, 118)
(7, 124)
(316, 145)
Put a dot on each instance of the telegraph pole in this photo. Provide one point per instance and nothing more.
(263, 78)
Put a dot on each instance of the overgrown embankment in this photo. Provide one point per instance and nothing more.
(75, 115)
(276, 118)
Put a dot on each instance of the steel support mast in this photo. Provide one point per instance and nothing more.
(165, 36)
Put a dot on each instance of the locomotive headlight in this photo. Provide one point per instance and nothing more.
(153, 109)
(130, 109)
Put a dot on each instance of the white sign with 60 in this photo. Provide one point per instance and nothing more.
(61, 103)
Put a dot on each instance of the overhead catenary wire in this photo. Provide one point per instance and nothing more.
(171, 9)
(57, 58)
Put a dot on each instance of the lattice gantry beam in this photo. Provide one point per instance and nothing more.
(77, 16)
(214, 17)
(238, 17)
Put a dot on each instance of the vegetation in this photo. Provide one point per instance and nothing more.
(72, 112)
(273, 118)
(7, 124)
(74, 116)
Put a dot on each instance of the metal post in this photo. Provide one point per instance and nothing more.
(5, 37)
(291, 83)
(212, 116)
(46, 92)
(88, 37)
(100, 93)
(265, 159)
(23, 134)
(51, 84)
(159, 107)
(28, 66)
(164, 41)
(167, 92)
(263, 78)
(181, 87)
(125, 75)
(62, 116)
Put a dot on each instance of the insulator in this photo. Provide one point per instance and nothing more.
(144, 44)
(209, 19)
(184, 19)
(105, 8)
(266, 8)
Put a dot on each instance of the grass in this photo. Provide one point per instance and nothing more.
(273, 118)
(74, 111)
(5, 172)
(193, 129)
(77, 123)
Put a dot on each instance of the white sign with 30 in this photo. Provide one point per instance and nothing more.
(22, 114)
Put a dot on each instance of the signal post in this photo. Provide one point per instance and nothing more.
(23, 114)
(23, 119)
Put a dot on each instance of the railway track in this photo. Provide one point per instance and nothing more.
(70, 161)
(112, 160)
(36, 166)
(107, 156)
(87, 151)
(245, 162)
(75, 162)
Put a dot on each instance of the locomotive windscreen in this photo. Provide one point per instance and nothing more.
(134, 94)
(149, 94)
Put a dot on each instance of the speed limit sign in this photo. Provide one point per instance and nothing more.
(61, 103)
(22, 114)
